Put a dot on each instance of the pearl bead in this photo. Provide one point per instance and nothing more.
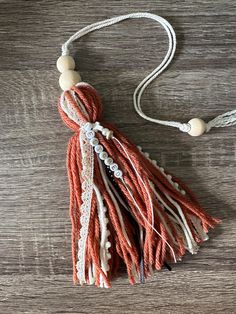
(98, 149)
(88, 126)
(65, 63)
(90, 134)
(108, 161)
(103, 155)
(198, 127)
(118, 173)
(68, 79)
(94, 141)
(114, 167)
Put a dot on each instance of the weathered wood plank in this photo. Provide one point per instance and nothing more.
(35, 263)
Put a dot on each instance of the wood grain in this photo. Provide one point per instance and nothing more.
(35, 264)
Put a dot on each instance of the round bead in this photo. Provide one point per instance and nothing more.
(108, 161)
(88, 126)
(105, 131)
(103, 155)
(114, 167)
(68, 79)
(94, 141)
(98, 149)
(118, 173)
(65, 63)
(198, 127)
(90, 134)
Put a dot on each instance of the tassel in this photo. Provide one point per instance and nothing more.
(124, 208)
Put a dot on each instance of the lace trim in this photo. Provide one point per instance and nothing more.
(85, 209)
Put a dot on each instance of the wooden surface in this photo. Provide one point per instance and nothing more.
(35, 263)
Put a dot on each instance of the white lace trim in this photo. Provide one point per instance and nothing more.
(85, 209)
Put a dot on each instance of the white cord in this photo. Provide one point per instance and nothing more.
(227, 119)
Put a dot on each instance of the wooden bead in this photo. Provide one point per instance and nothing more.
(68, 79)
(198, 127)
(65, 63)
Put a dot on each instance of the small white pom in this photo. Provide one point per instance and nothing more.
(108, 244)
(176, 185)
(198, 127)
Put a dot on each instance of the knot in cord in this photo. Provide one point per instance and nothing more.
(185, 127)
(89, 126)
(227, 119)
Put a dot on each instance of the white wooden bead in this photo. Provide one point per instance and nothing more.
(68, 79)
(65, 63)
(198, 127)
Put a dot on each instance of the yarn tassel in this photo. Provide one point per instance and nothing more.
(123, 206)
